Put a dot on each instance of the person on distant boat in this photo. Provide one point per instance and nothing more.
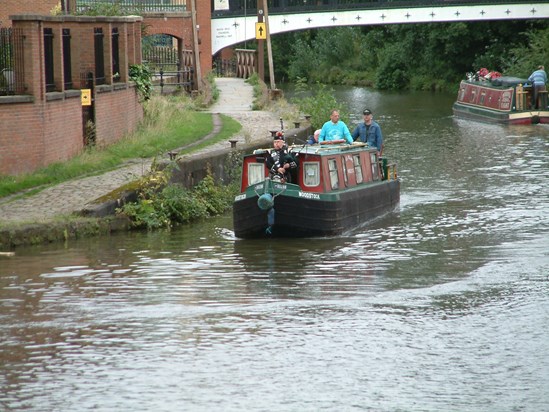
(281, 164)
(313, 139)
(335, 129)
(369, 132)
(538, 79)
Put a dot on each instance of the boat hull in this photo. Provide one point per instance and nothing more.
(491, 116)
(304, 214)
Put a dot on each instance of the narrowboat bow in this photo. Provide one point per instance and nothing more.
(337, 187)
(504, 100)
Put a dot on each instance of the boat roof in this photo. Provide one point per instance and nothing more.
(325, 149)
(503, 81)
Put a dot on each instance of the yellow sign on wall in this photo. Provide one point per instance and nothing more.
(86, 97)
(260, 31)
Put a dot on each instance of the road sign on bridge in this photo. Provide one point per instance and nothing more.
(260, 31)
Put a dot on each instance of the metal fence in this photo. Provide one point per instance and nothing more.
(12, 76)
(169, 73)
(249, 7)
(135, 6)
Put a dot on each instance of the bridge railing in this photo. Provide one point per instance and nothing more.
(242, 8)
(136, 6)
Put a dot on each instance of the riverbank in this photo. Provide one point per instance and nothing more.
(62, 212)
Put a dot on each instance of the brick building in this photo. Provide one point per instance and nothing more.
(43, 117)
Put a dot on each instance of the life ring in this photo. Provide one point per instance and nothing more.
(333, 141)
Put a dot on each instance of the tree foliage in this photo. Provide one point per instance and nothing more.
(410, 56)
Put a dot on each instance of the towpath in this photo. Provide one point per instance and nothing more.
(235, 100)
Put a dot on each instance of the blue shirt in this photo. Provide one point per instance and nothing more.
(538, 78)
(335, 131)
(371, 135)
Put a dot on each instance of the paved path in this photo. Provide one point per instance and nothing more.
(235, 100)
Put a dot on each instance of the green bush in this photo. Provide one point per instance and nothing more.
(318, 102)
(164, 205)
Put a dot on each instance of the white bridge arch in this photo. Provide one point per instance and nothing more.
(234, 30)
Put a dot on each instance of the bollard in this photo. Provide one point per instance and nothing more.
(172, 155)
(233, 143)
(296, 124)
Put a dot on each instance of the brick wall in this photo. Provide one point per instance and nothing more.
(37, 135)
(39, 128)
(120, 112)
(9, 7)
(20, 146)
(204, 21)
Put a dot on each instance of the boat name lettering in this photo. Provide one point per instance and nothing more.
(309, 195)
(240, 197)
(279, 186)
(259, 186)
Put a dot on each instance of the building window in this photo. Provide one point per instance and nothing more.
(332, 168)
(115, 55)
(345, 176)
(358, 168)
(311, 174)
(375, 166)
(48, 60)
(256, 173)
(67, 70)
(99, 56)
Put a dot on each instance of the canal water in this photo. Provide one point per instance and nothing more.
(442, 305)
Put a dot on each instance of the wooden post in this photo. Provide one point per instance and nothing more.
(196, 51)
(269, 50)
(260, 50)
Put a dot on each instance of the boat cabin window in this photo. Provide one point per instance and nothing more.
(473, 95)
(358, 168)
(332, 167)
(482, 97)
(311, 173)
(345, 177)
(375, 167)
(256, 173)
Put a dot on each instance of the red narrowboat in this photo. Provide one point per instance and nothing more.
(336, 188)
(505, 100)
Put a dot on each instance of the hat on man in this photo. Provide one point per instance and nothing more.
(367, 111)
(279, 136)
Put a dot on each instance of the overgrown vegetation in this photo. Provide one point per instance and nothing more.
(410, 56)
(141, 75)
(162, 204)
(318, 101)
(261, 92)
(103, 9)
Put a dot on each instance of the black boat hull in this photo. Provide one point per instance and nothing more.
(303, 215)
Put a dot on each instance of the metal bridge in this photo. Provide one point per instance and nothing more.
(234, 23)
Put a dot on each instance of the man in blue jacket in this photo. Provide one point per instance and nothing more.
(538, 79)
(369, 132)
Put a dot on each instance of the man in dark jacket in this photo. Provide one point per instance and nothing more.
(369, 132)
(280, 162)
